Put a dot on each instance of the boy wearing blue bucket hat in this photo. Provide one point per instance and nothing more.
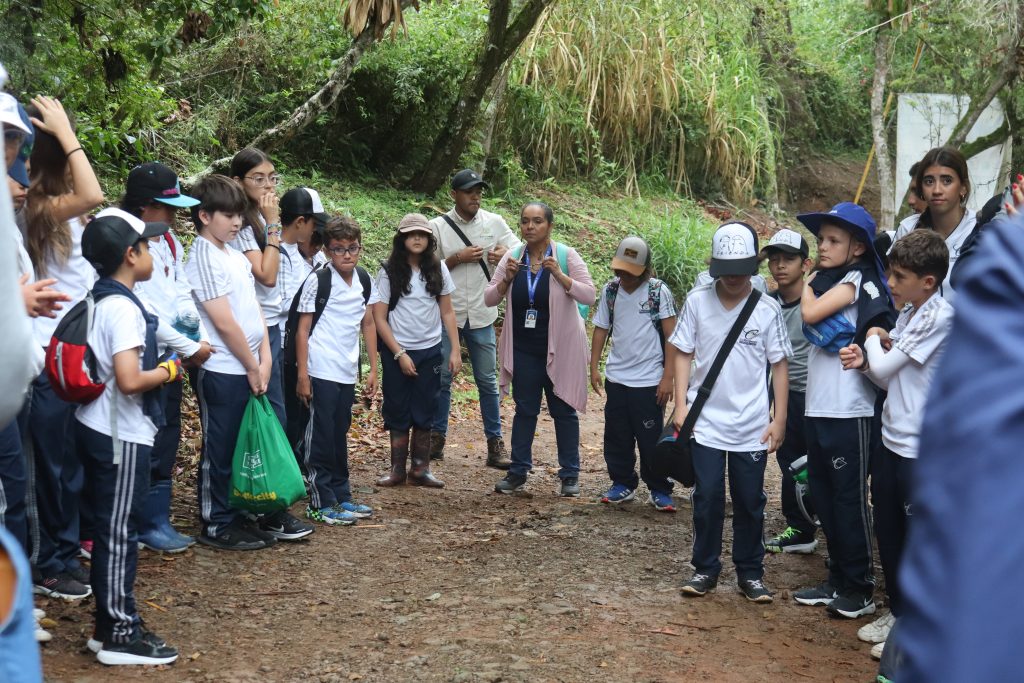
(844, 298)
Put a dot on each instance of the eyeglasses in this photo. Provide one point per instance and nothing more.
(345, 251)
(264, 180)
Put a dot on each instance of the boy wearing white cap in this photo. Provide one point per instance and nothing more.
(734, 426)
(787, 253)
(639, 372)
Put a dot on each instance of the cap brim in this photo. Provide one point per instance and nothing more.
(415, 228)
(154, 230)
(18, 172)
(320, 220)
(631, 268)
(740, 266)
(473, 183)
(182, 201)
(16, 122)
(786, 248)
(814, 221)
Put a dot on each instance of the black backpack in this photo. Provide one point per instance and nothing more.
(323, 293)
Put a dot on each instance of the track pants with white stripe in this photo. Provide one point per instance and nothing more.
(838, 456)
(222, 401)
(327, 442)
(119, 491)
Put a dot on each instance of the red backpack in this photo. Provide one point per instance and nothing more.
(70, 364)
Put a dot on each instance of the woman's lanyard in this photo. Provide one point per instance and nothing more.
(531, 288)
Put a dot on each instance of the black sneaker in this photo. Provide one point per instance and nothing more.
(63, 586)
(852, 605)
(81, 575)
(236, 536)
(792, 541)
(755, 590)
(511, 483)
(284, 526)
(819, 595)
(146, 649)
(699, 584)
(570, 488)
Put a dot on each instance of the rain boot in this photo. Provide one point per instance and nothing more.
(399, 456)
(419, 474)
(155, 530)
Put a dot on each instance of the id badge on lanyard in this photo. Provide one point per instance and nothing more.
(530, 322)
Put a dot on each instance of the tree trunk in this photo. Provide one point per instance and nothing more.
(494, 108)
(502, 41)
(883, 44)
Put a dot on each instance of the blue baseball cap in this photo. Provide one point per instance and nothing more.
(17, 170)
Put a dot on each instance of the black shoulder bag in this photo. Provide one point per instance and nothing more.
(672, 457)
(462, 236)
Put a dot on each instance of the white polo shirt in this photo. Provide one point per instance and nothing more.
(736, 413)
(416, 320)
(334, 344)
(213, 273)
(636, 358)
(487, 230)
(274, 310)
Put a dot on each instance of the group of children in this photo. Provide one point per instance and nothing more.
(270, 299)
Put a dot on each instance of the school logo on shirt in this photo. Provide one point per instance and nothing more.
(750, 337)
(648, 424)
(838, 463)
(871, 289)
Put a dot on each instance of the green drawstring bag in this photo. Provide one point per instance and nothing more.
(264, 474)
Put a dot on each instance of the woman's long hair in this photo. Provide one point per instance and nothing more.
(243, 162)
(400, 272)
(46, 236)
(941, 156)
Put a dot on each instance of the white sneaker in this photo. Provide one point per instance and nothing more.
(38, 613)
(876, 651)
(878, 630)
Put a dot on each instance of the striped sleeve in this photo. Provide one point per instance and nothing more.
(776, 335)
(246, 240)
(925, 333)
(209, 278)
(307, 302)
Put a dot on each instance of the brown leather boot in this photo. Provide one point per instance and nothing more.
(437, 440)
(496, 456)
(399, 456)
(419, 473)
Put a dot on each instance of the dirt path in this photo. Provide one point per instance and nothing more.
(466, 585)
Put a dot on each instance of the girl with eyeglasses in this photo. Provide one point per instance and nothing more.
(63, 188)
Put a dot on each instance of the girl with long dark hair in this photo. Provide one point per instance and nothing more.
(409, 306)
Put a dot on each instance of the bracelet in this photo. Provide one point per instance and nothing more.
(271, 226)
(458, 257)
(401, 352)
(275, 246)
(76, 149)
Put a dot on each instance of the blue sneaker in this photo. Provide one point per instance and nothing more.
(618, 493)
(662, 501)
(330, 516)
(360, 511)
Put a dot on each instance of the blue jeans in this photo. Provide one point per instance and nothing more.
(483, 357)
(529, 382)
(746, 487)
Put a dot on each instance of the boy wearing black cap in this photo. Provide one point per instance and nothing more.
(153, 194)
(115, 432)
(844, 298)
(637, 312)
(471, 242)
(787, 253)
(734, 426)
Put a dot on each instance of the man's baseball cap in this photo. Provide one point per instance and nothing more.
(155, 182)
(789, 242)
(114, 230)
(414, 222)
(9, 115)
(18, 170)
(304, 201)
(632, 256)
(733, 250)
(467, 179)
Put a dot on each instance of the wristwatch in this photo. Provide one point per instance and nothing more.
(401, 352)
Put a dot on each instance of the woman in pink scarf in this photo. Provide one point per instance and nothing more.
(543, 344)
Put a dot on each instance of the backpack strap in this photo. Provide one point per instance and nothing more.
(364, 281)
(323, 293)
(654, 298)
(462, 236)
(611, 291)
(170, 243)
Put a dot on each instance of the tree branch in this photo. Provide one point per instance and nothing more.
(997, 136)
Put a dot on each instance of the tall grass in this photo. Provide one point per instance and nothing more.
(626, 89)
(680, 246)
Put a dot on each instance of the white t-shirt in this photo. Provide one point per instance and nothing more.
(736, 414)
(117, 326)
(269, 298)
(334, 344)
(292, 273)
(416, 320)
(921, 335)
(214, 273)
(954, 243)
(832, 391)
(636, 358)
(38, 359)
(75, 278)
(164, 296)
